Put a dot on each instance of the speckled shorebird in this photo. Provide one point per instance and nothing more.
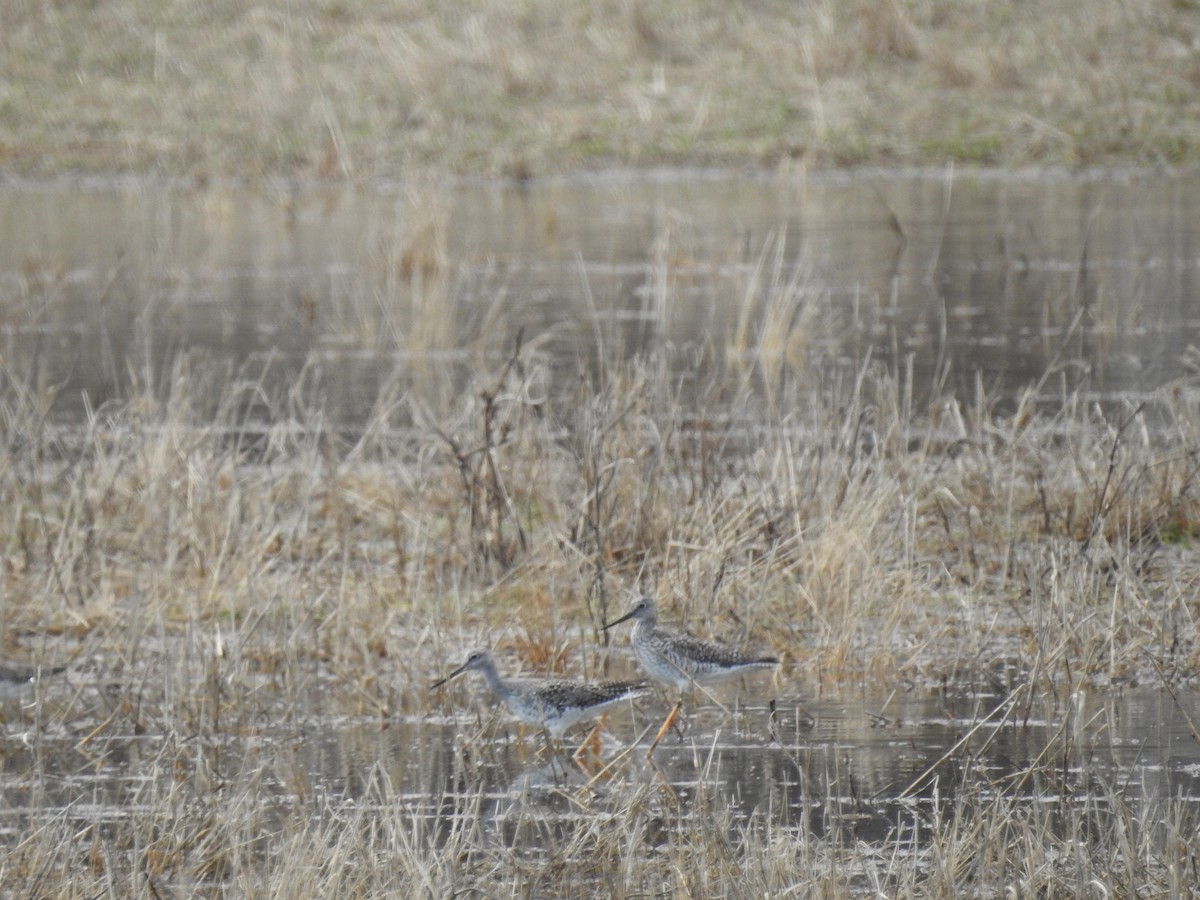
(18, 679)
(22, 674)
(681, 660)
(552, 704)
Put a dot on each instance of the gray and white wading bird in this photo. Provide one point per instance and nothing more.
(20, 673)
(552, 704)
(680, 660)
(18, 679)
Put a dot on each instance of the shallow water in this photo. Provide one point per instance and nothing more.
(833, 766)
(863, 769)
(999, 282)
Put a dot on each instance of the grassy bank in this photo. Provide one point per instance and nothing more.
(326, 89)
(858, 533)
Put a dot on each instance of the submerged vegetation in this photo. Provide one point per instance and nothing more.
(222, 564)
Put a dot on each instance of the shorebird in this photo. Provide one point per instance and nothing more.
(680, 660)
(552, 704)
(20, 674)
(18, 680)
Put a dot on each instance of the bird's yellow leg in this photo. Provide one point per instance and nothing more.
(591, 743)
(667, 723)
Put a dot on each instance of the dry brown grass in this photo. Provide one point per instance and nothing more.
(335, 90)
(828, 510)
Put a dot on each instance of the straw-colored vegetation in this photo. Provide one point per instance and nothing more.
(224, 582)
(347, 89)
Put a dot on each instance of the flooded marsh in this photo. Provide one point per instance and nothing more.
(1063, 283)
(275, 460)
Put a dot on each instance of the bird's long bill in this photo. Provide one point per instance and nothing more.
(437, 684)
(627, 616)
